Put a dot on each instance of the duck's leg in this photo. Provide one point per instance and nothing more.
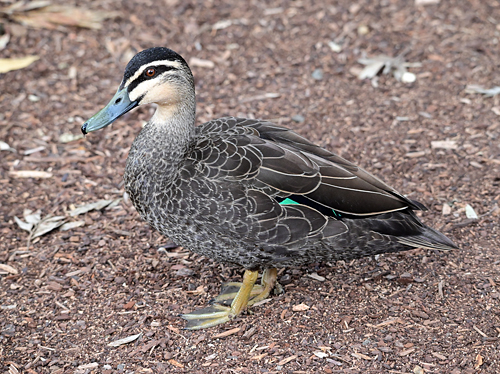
(216, 314)
(259, 291)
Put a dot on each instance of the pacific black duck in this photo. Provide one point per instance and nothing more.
(249, 192)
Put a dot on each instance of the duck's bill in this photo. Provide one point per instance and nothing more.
(118, 106)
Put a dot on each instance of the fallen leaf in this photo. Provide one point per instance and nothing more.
(23, 225)
(470, 212)
(317, 277)
(446, 209)
(98, 205)
(10, 64)
(126, 340)
(473, 88)
(50, 16)
(47, 224)
(71, 225)
(321, 354)
(5, 147)
(385, 64)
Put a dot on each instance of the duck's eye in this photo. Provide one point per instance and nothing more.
(150, 72)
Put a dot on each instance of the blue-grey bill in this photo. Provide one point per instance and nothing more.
(118, 106)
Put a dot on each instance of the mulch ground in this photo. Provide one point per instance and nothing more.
(421, 311)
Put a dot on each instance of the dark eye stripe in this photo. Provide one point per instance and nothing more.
(160, 69)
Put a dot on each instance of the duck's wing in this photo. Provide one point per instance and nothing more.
(307, 171)
(297, 190)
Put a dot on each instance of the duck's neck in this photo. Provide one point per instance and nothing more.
(162, 144)
(169, 131)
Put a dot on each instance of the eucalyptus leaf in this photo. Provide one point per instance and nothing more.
(23, 225)
(48, 224)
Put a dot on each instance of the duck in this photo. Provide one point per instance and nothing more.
(249, 192)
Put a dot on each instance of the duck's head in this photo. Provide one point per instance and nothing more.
(156, 75)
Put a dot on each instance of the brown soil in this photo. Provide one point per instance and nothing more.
(416, 312)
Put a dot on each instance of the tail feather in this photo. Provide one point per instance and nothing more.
(430, 239)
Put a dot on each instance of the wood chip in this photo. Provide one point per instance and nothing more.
(198, 62)
(258, 357)
(479, 361)
(300, 307)
(415, 154)
(30, 174)
(287, 360)
(406, 352)
(4, 268)
(418, 370)
(386, 323)
(446, 210)
(438, 355)
(227, 333)
(479, 331)
(440, 289)
(176, 363)
(444, 144)
(362, 356)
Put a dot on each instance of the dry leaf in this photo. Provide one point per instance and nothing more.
(474, 88)
(126, 340)
(51, 16)
(470, 212)
(317, 277)
(321, 354)
(23, 225)
(5, 147)
(9, 64)
(98, 205)
(386, 64)
(48, 224)
(71, 225)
